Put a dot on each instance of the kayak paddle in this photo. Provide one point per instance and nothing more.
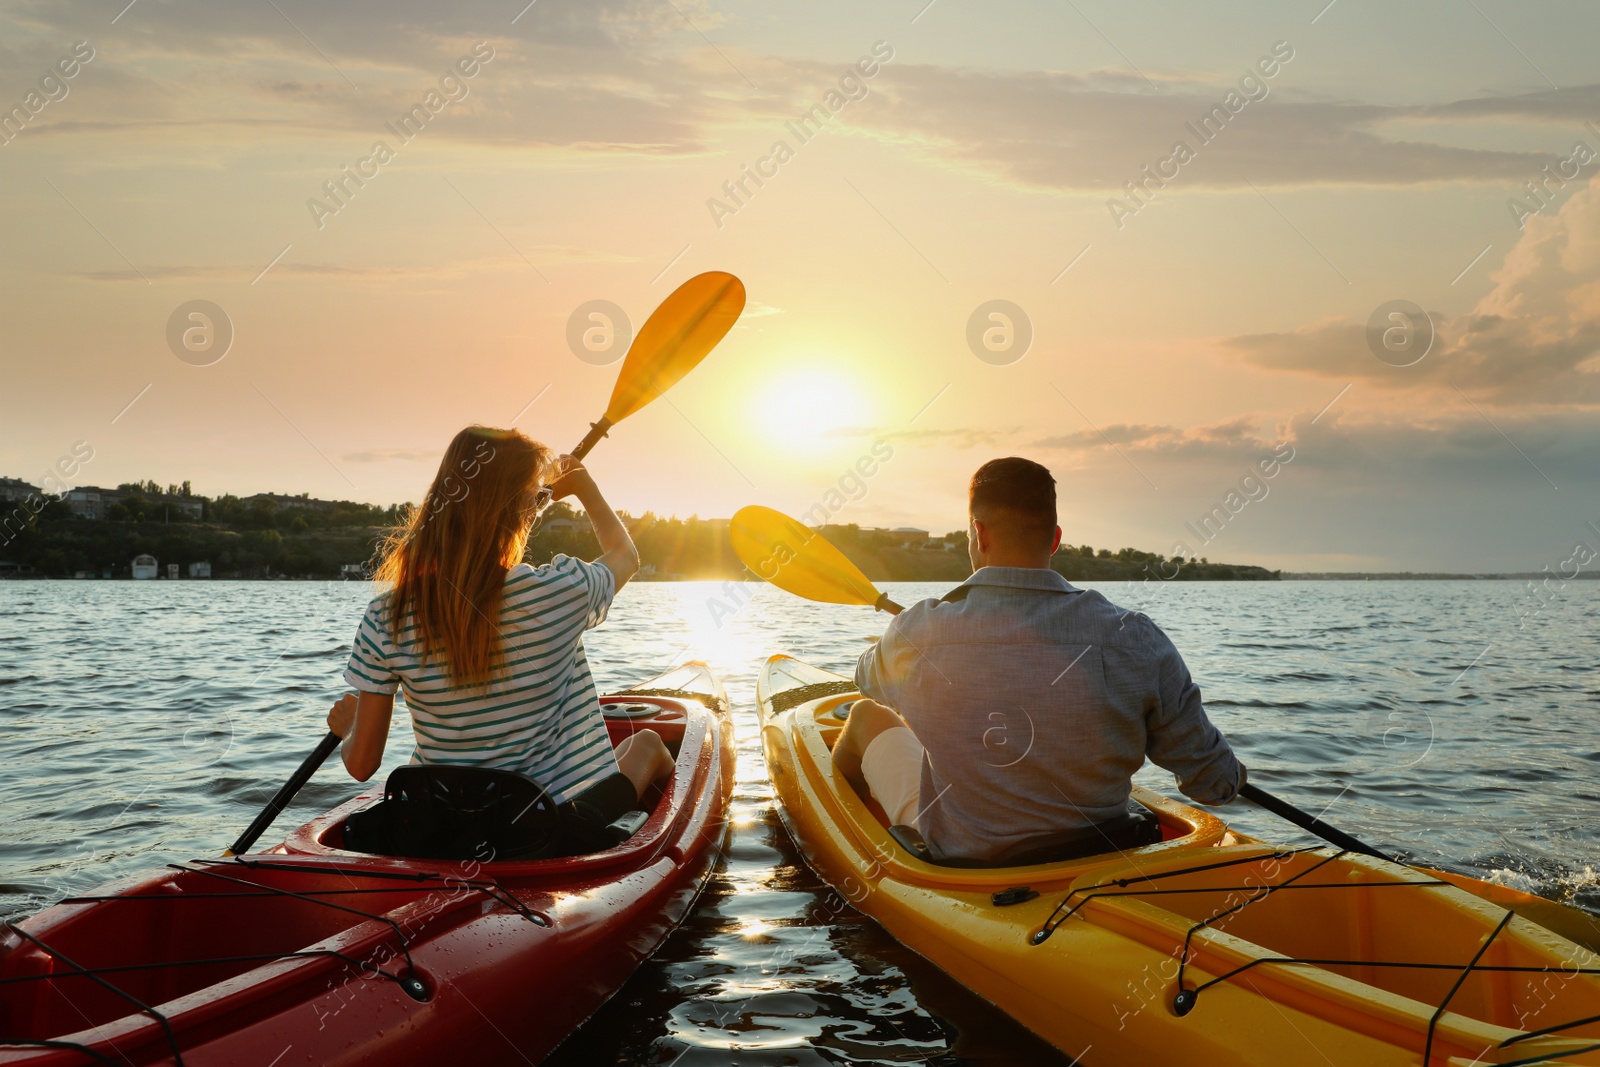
(796, 559)
(281, 798)
(1310, 823)
(672, 342)
(679, 333)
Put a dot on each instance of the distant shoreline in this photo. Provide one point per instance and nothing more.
(307, 539)
(1425, 576)
(297, 538)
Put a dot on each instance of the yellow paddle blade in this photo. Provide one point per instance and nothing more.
(797, 559)
(675, 338)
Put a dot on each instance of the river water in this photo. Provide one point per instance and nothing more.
(1453, 722)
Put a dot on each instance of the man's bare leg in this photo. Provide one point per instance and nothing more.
(867, 720)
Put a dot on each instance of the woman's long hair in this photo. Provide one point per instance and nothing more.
(448, 561)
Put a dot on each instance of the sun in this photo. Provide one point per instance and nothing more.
(806, 409)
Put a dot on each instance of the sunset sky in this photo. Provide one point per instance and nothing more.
(1173, 346)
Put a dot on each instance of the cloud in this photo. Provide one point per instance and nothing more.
(1533, 338)
(1459, 446)
(149, 274)
(1122, 433)
(627, 77)
(353, 35)
(959, 437)
(1443, 491)
(1573, 105)
(643, 20)
(178, 273)
(543, 254)
(393, 455)
(1069, 131)
(607, 75)
(1457, 452)
(1232, 439)
(635, 77)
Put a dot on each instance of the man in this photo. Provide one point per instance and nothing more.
(1006, 720)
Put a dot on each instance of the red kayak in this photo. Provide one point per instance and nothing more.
(312, 954)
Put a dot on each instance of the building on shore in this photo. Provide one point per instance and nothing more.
(899, 537)
(200, 570)
(144, 566)
(95, 502)
(187, 507)
(284, 500)
(91, 501)
(558, 524)
(16, 489)
(909, 536)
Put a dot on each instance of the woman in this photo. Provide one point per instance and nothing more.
(488, 649)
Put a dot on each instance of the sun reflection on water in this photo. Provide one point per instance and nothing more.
(719, 624)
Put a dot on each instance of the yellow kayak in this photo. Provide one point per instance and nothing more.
(1209, 947)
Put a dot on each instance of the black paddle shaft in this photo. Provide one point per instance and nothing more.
(1331, 834)
(280, 800)
(597, 430)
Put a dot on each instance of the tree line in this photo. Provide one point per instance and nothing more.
(266, 537)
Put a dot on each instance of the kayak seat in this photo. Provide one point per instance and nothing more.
(1133, 830)
(910, 839)
(445, 812)
(436, 811)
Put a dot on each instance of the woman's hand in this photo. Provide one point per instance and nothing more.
(342, 715)
(363, 722)
(572, 479)
(616, 547)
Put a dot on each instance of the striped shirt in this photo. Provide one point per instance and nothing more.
(541, 716)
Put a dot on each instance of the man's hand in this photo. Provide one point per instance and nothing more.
(342, 715)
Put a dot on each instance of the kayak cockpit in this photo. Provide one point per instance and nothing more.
(817, 729)
(685, 727)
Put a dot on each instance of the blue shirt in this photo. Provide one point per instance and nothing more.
(1036, 702)
(541, 716)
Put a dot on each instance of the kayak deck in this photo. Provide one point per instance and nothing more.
(179, 964)
(1208, 947)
